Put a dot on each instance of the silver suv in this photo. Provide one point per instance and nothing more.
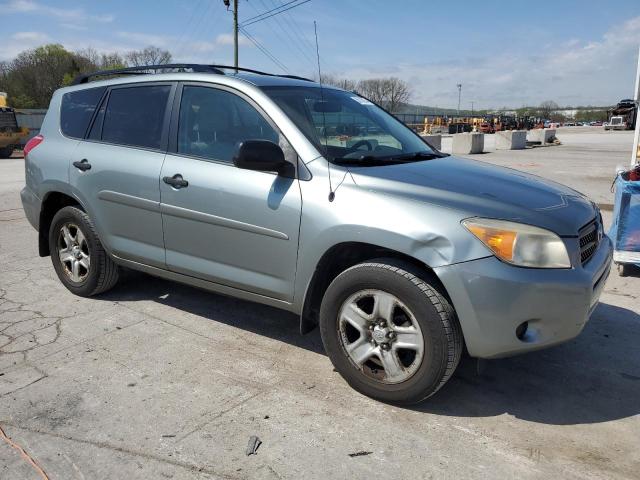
(312, 199)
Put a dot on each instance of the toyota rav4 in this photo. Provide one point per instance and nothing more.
(283, 191)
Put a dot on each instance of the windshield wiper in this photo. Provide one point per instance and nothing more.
(419, 156)
(364, 160)
(372, 160)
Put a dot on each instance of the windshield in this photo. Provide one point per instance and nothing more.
(347, 128)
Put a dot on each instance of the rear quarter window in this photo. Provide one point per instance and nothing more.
(77, 109)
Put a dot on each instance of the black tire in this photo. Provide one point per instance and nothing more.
(624, 269)
(102, 273)
(443, 341)
(6, 152)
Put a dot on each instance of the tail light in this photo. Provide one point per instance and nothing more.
(33, 143)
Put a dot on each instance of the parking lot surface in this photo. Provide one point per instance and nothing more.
(160, 380)
(586, 159)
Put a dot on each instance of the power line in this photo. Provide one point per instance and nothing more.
(247, 23)
(263, 49)
(297, 30)
(293, 28)
(197, 30)
(305, 56)
(269, 11)
(182, 36)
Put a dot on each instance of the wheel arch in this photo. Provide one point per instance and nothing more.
(52, 202)
(344, 255)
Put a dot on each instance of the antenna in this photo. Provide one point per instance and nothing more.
(332, 194)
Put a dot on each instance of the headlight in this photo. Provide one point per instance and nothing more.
(520, 244)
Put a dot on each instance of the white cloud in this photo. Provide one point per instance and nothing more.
(30, 37)
(20, 41)
(73, 26)
(227, 39)
(19, 6)
(145, 39)
(201, 52)
(65, 14)
(600, 72)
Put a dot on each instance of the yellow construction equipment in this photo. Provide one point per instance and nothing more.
(10, 133)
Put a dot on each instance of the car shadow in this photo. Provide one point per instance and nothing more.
(253, 317)
(594, 378)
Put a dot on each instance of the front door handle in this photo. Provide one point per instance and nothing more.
(83, 165)
(176, 181)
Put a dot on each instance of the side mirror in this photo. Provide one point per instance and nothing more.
(262, 156)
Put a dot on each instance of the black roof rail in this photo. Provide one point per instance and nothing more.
(194, 67)
(258, 72)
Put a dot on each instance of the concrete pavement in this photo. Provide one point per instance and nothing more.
(586, 159)
(160, 380)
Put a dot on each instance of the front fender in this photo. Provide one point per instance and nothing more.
(429, 233)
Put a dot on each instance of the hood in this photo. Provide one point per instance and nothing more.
(483, 190)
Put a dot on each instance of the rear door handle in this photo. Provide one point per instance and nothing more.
(83, 165)
(176, 181)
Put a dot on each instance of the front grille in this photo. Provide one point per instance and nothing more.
(588, 241)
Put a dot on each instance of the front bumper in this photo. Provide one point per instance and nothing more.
(493, 298)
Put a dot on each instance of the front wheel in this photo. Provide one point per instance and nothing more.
(78, 257)
(624, 269)
(392, 335)
(6, 152)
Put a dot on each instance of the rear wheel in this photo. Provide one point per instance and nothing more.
(390, 333)
(6, 152)
(79, 259)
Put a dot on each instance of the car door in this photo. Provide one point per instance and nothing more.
(224, 224)
(116, 169)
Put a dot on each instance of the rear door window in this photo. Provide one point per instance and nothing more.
(135, 116)
(77, 109)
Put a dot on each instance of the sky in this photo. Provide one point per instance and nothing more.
(504, 53)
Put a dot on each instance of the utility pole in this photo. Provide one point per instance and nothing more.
(227, 4)
(635, 153)
(472, 108)
(235, 34)
(459, 85)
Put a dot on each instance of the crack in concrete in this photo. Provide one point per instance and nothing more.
(35, 342)
(27, 385)
(25, 341)
(218, 415)
(105, 445)
(23, 453)
(201, 335)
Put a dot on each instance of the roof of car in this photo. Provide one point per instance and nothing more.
(249, 75)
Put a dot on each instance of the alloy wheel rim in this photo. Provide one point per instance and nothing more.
(380, 336)
(73, 251)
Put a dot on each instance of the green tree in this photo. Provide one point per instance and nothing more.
(592, 115)
(31, 78)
